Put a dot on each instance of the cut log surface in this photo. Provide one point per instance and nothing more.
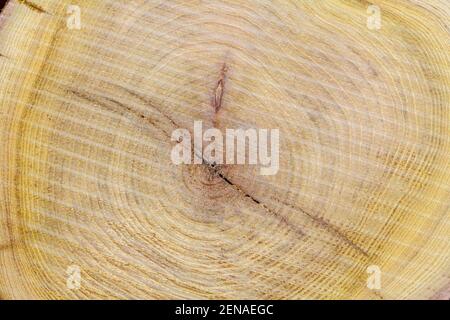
(92, 206)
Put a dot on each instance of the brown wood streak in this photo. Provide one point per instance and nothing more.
(32, 6)
(5, 246)
(149, 103)
(95, 98)
(329, 227)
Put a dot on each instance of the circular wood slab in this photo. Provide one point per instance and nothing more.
(91, 205)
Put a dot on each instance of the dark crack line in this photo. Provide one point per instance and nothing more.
(32, 6)
(149, 103)
(216, 170)
(139, 115)
(329, 227)
(90, 98)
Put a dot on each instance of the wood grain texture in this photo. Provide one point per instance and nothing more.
(86, 177)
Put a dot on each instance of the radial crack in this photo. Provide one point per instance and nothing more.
(136, 113)
(216, 170)
(150, 104)
(330, 227)
(32, 6)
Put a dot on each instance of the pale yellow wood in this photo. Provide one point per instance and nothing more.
(86, 177)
